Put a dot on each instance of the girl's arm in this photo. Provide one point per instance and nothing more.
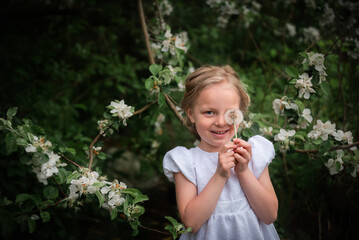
(195, 209)
(259, 192)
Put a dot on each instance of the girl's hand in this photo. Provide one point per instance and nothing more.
(226, 160)
(242, 153)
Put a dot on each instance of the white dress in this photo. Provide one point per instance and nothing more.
(233, 217)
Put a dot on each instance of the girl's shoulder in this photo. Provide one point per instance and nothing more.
(179, 159)
(262, 153)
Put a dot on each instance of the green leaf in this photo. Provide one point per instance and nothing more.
(100, 197)
(324, 86)
(45, 216)
(155, 69)
(132, 191)
(11, 145)
(74, 175)
(300, 105)
(317, 141)
(113, 213)
(247, 132)
(292, 71)
(11, 113)
(61, 176)
(22, 197)
(31, 224)
(161, 99)
(21, 142)
(50, 192)
(140, 198)
(149, 83)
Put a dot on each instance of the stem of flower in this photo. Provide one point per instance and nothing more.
(235, 130)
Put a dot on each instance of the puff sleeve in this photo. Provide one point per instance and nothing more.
(179, 160)
(262, 154)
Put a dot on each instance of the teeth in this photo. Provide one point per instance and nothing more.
(219, 132)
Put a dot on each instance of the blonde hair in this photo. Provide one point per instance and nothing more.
(206, 76)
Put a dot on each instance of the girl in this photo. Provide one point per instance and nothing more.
(223, 188)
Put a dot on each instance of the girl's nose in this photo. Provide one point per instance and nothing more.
(220, 121)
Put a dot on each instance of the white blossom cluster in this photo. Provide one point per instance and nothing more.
(311, 34)
(285, 138)
(317, 60)
(266, 131)
(44, 170)
(90, 182)
(227, 8)
(112, 193)
(322, 130)
(166, 8)
(121, 110)
(171, 43)
(335, 165)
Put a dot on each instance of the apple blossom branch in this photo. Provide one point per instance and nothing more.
(95, 140)
(152, 61)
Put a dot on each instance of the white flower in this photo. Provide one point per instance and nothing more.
(311, 34)
(305, 85)
(102, 125)
(113, 194)
(322, 130)
(181, 41)
(284, 135)
(345, 137)
(166, 8)
(38, 142)
(291, 29)
(317, 60)
(332, 164)
(328, 16)
(246, 124)
(49, 168)
(306, 115)
(280, 104)
(233, 116)
(84, 184)
(266, 131)
(121, 110)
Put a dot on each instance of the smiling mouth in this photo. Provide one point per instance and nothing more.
(220, 132)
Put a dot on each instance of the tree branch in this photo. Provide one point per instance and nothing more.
(331, 149)
(145, 33)
(70, 161)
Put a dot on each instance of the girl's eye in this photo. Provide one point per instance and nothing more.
(208, 112)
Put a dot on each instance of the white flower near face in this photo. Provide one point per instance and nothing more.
(306, 115)
(38, 142)
(304, 85)
(283, 135)
(332, 164)
(121, 110)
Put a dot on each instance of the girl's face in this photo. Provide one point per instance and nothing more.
(208, 115)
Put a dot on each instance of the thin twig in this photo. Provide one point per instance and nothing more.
(144, 29)
(143, 109)
(94, 141)
(331, 149)
(70, 161)
(155, 230)
(58, 185)
(173, 107)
